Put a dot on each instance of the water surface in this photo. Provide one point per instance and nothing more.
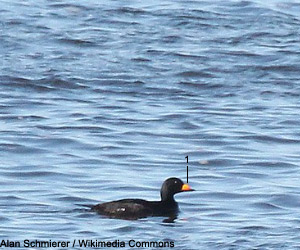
(103, 100)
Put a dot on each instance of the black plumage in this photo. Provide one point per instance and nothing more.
(139, 208)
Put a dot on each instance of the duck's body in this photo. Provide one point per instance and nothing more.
(136, 208)
(139, 208)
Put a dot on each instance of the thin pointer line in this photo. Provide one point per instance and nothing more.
(187, 174)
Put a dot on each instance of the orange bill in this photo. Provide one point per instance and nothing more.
(186, 187)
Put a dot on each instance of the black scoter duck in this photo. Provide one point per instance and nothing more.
(137, 208)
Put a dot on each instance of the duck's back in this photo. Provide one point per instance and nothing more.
(125, 209)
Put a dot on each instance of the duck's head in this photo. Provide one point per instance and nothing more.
(173, 186)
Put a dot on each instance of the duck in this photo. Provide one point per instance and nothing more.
(133, 209)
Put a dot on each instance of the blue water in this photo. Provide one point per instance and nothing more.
(102, 100)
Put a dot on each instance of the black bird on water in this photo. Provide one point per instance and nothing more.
(132, 209)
